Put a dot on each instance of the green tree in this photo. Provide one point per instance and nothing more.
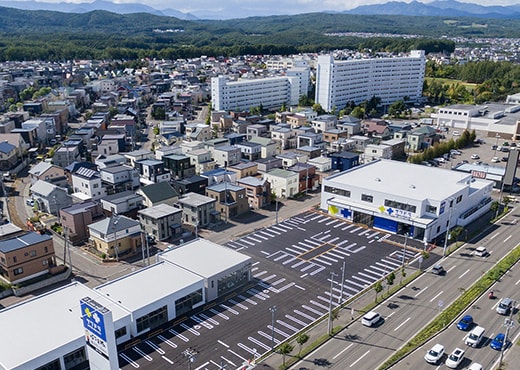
(378, 288)
(358, 112)
(301, 339)
(318, 108)
(284, 350)
(403, 274)
(390, 280)
(495, 207)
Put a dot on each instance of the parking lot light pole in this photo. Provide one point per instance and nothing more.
(272, 309)
(342, 282)
(329, 326)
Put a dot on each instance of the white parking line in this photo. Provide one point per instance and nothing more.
(203, 366)
(246, 348)
(286, 287)
(304, 315)
(317, 271)
(328, 258)
(288, 261)
(268, 336)
(258, 343)
(260, 236)
(277, 330)
(367, 282)
(225, 317)
(298, 264)
(236, 354)
(154, 346)
(167, 341)
(372, 278)
(362, 286)
(313, 310)
(251, 238)
(296, 320)
(356, 229)
(283, 323)
(355, 250)
(278, 281)
(282, 229)
(322, 261)
(129, 360)
(224, 344)
(229, 309)
(228, 361)
(320, 305)
(245, 241)
(248, 300)
(238, 304)
(180, 336)
(142, 354)
(190, 329)
(202, 322)
(347, 227)
(260, 274)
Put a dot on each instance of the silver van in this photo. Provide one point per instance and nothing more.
(504, 306)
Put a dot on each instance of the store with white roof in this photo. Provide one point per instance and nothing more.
(400, 197)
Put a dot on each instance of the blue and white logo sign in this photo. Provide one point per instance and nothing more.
(93, 315)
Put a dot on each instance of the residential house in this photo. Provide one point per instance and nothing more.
(398, 148)
(50, 198)
(124, 203)
(161, 221)
(333, 135)
(152, 171)
(179, 166)
(75, 219)
(257, 130)
(291, 158)
(195, 184)
(343, 161)
(27, 256)
(422, 138)
(219, 175)
(296, 120)
(306, 176)
(323, 123)
(198, 210)
(285, 137)
(9, 156)
(310, 139)
(377, 128)
(119, 178)
(198, 131)
(244, 169)
(231, 199)
(159, 193)
(361, 142)
(349, 124)
(116, 236)
(284, 183)
(269, 147)
(87, 185)
(103, 161)
(258, 191)
(267, 164)
(46, 171)
(137, 155)
(202, 160)
(66, 155)
(250, 151)
(377, 151)
(188, 146)
(227, 155)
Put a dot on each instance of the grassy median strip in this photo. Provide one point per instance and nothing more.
(454, 310)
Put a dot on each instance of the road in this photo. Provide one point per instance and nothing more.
(413, 307)
(484, 314)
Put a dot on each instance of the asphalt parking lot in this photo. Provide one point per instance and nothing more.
(298, 271)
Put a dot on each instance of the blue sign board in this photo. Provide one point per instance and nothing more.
(93, 317)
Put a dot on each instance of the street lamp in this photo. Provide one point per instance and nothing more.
(272, 309)
(276, 200)
(329, 326)
(509, 324)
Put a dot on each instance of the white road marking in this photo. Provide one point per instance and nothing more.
(190, 329)
(248, 300)
(155, 347)
(404, 322)
(420, 291)
(343, 350)
(236, 354)
(225, 317)
(167, 360)
(180, 336)
(229, 309)
(436, 296)
(286, 287)
(464, 273)
(142, 354)
(359, 359)
(506, 239)
(213, 321)
(296, 320)
(244, 307)
(224, 344)
(228, 361)
(167, 341)
(129, 360)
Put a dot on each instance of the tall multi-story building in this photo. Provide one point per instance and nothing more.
(357, 80)
(271, 92)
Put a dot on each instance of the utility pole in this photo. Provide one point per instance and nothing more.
(272, 309)
(508, 323)
(450, 201)
(329, 326)
(342, 282)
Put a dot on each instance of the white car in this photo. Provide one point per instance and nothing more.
(475, 156)
(481, 252)
(495, 160)
(434, 355)
(475, 366)
(455, 358)
(371, 318)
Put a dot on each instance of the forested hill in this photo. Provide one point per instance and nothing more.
(101, 34)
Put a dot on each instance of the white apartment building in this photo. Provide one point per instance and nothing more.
(357, 80)
(270, 92)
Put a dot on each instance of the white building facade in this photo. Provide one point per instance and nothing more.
(357, 80)
(270, 92)
(373, 195)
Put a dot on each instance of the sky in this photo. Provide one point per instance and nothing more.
(282, 6)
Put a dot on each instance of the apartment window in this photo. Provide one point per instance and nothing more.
(18, 271)
(431, 209)
(33, 253)
(120, 332)
(367, 198)
(14, 259)
(45, 262)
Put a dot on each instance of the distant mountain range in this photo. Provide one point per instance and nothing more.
(443, 8)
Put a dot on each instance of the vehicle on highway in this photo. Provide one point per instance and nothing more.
(434, 355)
(371, 318)
(455, 358)
(29, 202)
(465, 323)
(475, 336)
(475, 366)
(481, 252)
(504, 306)
(438, 270)
(498, 342)
(475, 156)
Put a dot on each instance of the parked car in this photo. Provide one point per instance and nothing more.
(465, 323)
(475, 366)
(495, 160)
(455, 152)
(434, 355)
(481, 252)
(371, 318)
(504, 306)
(29, 202)
(456, 133)
(455, 358)
(504, 159)
(475, 156)
(498, 342)
(438, 270)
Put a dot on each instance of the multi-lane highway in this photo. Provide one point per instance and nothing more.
(414, 306)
